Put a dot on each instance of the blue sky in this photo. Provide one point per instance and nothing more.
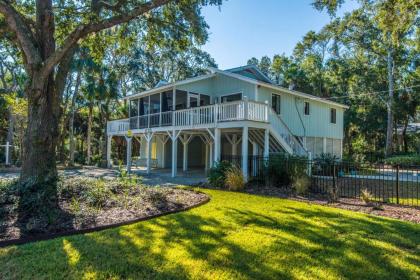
(242, 29)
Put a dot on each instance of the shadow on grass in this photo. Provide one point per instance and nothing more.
(224, 240)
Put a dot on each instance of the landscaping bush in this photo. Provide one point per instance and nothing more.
(413, 159)
(217, 174)
(283, 170)
(235, 180)
(366, 196)
(302, 184)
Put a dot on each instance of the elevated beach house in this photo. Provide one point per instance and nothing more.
(237, 112)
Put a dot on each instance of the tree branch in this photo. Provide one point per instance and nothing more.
(84, 30)
(17, 24)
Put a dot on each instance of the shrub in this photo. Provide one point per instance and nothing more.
(283, 170)
(302, 184)
(217, 174)
(403, 160)
(366, 196)
(235, 180)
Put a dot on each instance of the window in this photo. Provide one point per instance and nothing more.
(232, 97)
(276, 103)
(181, 100)
(144, 106)
(333, 115)
(204, 100)
(307, 108)
(154, 103)
(167, 101)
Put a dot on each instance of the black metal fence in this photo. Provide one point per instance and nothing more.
(398, 184)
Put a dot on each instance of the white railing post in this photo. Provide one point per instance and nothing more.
(216, 111)
(266, 111)
(245, 117)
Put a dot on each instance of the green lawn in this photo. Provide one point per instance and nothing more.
(235, 236)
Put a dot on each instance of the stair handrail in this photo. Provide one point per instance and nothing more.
(295, 144)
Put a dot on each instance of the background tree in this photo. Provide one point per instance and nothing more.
(48, 32)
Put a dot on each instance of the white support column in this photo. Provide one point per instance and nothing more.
(235, 145)
(174, 138)
(217, 144)
(129, 149)
(149, 151)
(163, 139)
(324, 145)
(254, 158)
(148, 137)
(266, 143)
(245, 152)
(185, 139)
(206, 161)
(7, 153)
(211, 154)
(234, 141)
(109, 151)
(185, 156)
(309, 167)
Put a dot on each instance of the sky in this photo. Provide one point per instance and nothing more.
(242, 29)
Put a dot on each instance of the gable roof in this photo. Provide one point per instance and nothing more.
(212, 73)
(252, 70)
(276, 87)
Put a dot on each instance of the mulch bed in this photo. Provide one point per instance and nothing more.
(148, 203)
(405, 213)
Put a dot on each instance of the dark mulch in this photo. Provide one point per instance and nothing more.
(83, 207)
(405, 213)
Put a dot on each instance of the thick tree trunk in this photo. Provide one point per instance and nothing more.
(389, 134)
(89, 132)
(39, 162)
(71, 123)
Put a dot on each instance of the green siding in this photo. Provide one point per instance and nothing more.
(221, 85)
(224, 85)
(317, 124)
(203, 86)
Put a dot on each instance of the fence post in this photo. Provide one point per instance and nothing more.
(398, 184)
(309, 170)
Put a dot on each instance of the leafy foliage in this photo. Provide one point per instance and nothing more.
(413, 159)
(217, 174)
(283, 170)
(235, 180)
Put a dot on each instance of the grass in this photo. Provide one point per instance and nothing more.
(235, 236)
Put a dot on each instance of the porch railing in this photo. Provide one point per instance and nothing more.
(198, 116)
